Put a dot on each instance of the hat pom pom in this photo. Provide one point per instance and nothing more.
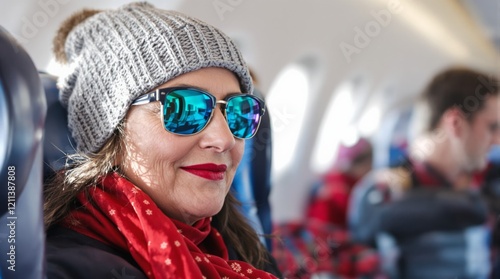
(63, 32)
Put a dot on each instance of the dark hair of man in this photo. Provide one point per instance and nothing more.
(463, 88)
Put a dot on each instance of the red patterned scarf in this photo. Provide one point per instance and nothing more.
(121, 215)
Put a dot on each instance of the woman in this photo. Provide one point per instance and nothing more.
(156, 155)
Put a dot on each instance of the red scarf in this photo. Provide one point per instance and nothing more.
(121, 215)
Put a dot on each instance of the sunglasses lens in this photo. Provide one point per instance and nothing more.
(243, 116)
(187, 111)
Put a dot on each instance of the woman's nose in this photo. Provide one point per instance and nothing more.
(217, 134)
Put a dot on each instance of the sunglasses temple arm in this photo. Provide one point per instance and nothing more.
(147, 98)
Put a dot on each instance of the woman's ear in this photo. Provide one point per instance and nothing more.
(454, 120)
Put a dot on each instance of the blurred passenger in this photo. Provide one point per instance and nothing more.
(424, 216)
(160, 105)
(321, 245)
(330, 198)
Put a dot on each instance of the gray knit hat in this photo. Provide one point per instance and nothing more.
(113, 57)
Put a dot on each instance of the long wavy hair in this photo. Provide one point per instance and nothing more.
(84, 172)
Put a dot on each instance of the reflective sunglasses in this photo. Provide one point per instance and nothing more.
(187, 111)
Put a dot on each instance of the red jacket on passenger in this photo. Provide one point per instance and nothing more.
(330, 202)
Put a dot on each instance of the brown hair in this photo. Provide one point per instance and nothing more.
(60, 198)
(85, 170)
(459, 87)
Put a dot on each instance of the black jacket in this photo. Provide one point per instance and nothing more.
(71, 255)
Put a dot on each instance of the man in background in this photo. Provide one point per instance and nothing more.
(424, 214)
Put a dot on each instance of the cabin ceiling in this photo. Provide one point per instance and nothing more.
(487, 15)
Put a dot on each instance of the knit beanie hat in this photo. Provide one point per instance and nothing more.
(112, 57)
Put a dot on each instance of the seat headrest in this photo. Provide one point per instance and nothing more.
(22, 109)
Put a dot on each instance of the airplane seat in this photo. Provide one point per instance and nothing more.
(454, 254)
(425, 234)
(398, 151)
(398, 138)
(490, 188)
(22, 116)
(58, 141)
(251, 184)
(364, 198)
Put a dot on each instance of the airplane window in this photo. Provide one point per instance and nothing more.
(335, 127)
(3, 124)
(370, 121)
(287, 102)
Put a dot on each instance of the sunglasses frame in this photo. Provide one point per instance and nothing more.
(159, 95)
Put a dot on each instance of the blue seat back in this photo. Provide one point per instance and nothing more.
(422, 234)
(22, 109)
(57, 141)
(439, 254)
(252, 181)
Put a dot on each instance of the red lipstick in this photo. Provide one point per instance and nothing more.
(207, 171)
